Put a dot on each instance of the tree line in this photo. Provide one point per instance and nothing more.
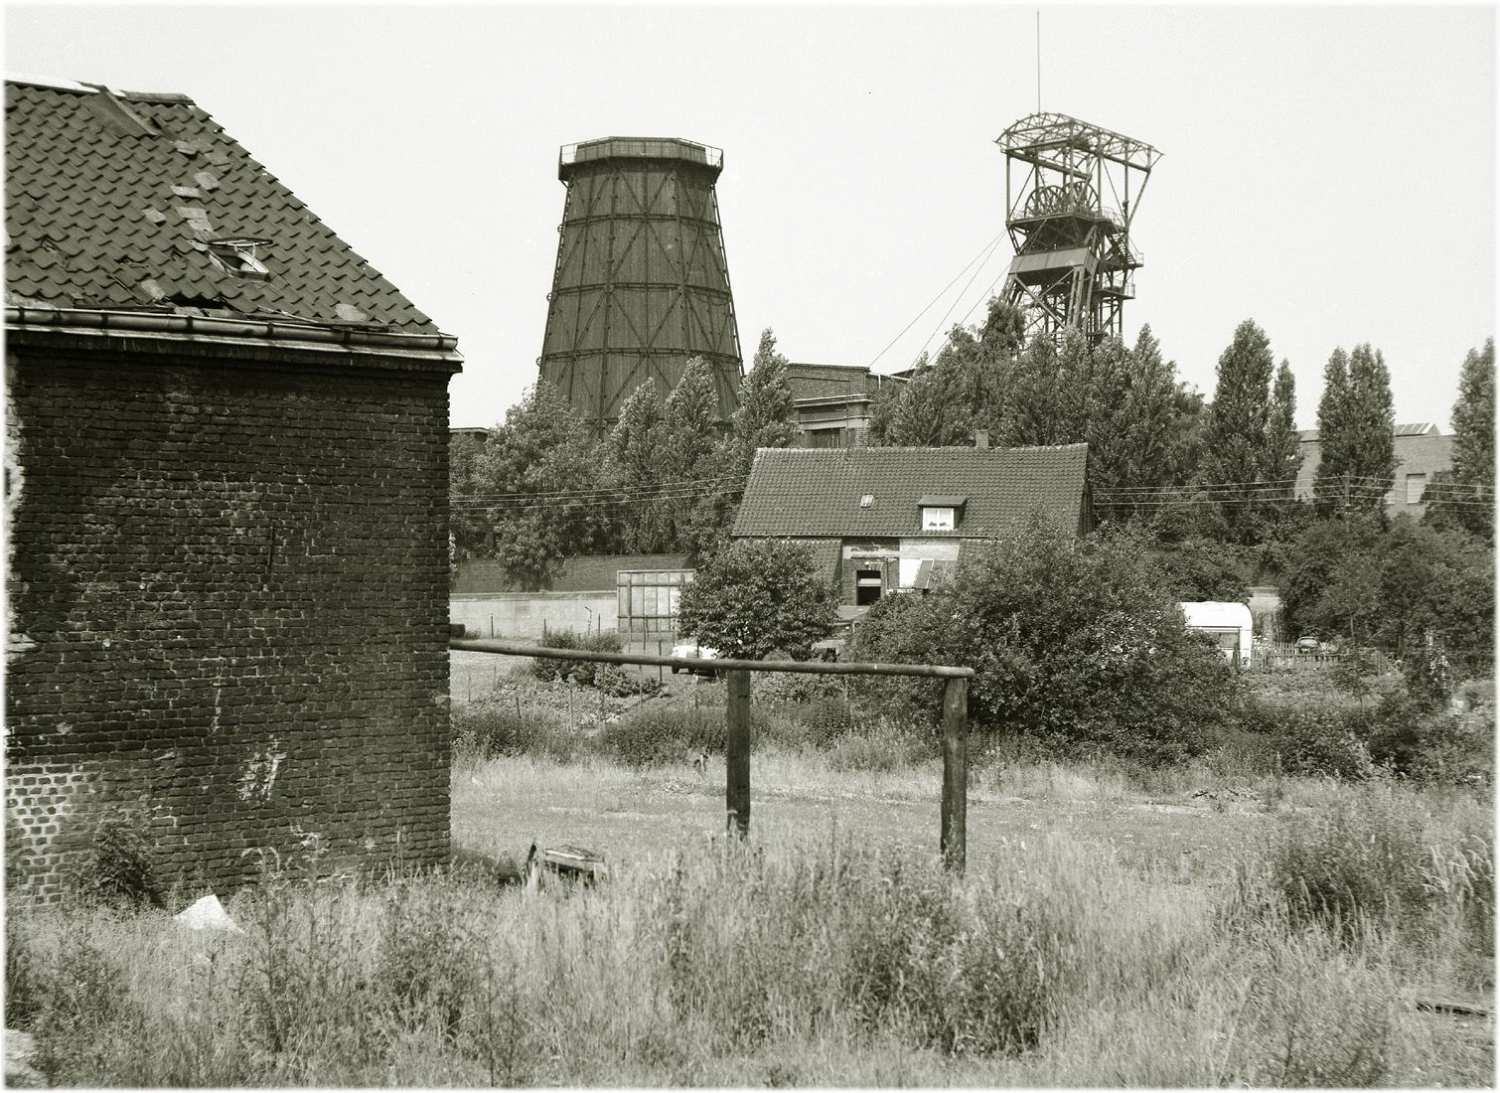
(1209, 483)
(666, 478)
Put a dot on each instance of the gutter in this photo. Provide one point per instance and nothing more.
(195, 329)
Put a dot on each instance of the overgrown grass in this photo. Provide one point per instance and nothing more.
(810, 962)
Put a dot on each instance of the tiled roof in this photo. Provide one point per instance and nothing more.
(806, 492)
(113, 199)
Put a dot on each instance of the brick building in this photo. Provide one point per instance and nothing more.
(226, 496)
(880, 520)
(833, 402)
(1423, 456)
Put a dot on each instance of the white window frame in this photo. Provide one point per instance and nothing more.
(939, 518)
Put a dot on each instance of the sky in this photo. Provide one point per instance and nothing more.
(1328, 172)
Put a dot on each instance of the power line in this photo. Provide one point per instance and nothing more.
(938, 297)
(992, 248)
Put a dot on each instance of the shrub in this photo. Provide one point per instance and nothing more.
(484, 731)
(118, 868)
(548, 669)
(755, 596)
(1320, 741)
(1073, 641)
(651, 737)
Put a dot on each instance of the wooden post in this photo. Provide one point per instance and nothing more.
(737, 751)
(954, 812)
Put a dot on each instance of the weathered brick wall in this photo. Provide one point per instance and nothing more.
(228, 610)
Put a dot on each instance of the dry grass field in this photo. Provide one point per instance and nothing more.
(1188, 927)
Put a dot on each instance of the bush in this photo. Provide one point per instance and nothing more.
(548, 669)
(756, 596)
(485, 731)
(118, 867)
(1321, 742)
(652, 737)
(1077, 642)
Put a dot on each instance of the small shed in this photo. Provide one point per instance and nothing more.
(1228, 624)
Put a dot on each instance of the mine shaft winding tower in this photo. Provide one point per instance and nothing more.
(1071, 192)
(641, 284)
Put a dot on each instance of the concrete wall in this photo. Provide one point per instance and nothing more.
(228, 583)
(522, 614)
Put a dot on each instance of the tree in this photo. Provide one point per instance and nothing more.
(635, 454)
(1356, 432)
(690, 436)
(1466, 499)
(1077, 643)
(531, 472)
(766, 418)
(756, 596)
(767, 414)
(1236, 441)
(468, 529)
(1139, 421)
(1406, 590)
(1199, 569)
(1333, 411)
(962, 390)
(1283, 454)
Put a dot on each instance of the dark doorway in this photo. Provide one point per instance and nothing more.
(867, 586)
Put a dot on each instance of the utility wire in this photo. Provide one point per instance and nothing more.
(936, 298)
(961, 292)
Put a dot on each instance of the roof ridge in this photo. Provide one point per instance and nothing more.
(80, 88)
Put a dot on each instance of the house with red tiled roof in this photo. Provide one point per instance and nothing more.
(880, 520)
(226, 499)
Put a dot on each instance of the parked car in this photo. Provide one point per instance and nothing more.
(1308, 644)
(693, 649)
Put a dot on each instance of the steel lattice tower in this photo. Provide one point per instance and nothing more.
(641, 284)
(1071, 191)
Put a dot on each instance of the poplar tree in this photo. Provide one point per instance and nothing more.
(766, 418)
(1466, 498)
(689, 437)
(1283, 457)
(767, 415)
(634, 451)
(1235, 442)
(1333, 415)
(1371, 429)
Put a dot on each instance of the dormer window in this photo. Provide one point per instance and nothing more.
(940, 512)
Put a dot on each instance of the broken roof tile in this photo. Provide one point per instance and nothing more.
(74, 173)
(185, 191)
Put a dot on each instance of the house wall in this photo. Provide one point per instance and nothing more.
(528, 614)
(1425, 454)
(228, 589)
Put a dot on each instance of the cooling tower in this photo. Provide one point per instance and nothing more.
(641, 283)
